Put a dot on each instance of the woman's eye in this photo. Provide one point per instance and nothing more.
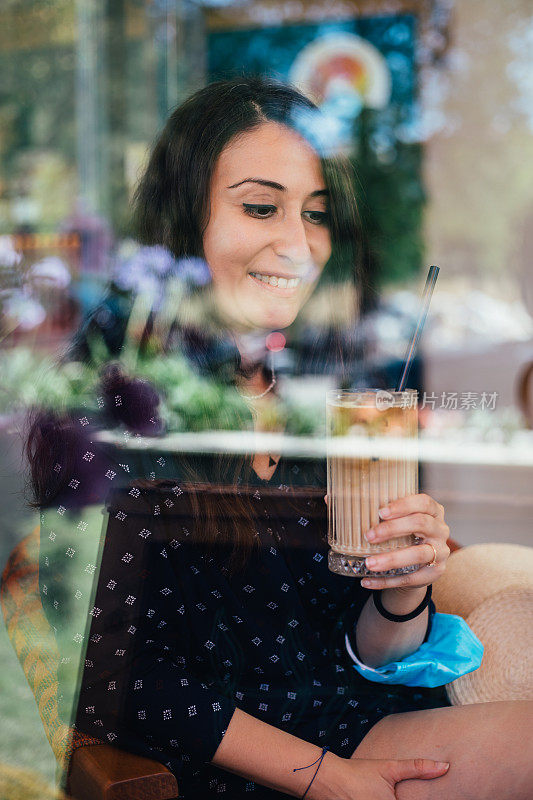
(263, 211)
(259, 211)
(317, 217)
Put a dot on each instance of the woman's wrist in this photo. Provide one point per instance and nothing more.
(403, 599)
(327, 784)
(274, 758)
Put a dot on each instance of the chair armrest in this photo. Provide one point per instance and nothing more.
(101, 772)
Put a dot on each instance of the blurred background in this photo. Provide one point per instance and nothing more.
(431, 99)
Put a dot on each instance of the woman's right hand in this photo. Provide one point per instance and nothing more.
(369, 779)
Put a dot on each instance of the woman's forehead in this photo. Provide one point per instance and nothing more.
(273, 152)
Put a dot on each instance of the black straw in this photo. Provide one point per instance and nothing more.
(426, 299)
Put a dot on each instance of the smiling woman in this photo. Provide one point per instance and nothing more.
(256, 200)
(217, 638)
(267, 239)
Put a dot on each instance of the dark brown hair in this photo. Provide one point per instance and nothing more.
(171, 202)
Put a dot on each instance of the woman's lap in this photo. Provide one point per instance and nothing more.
(379, 701)
(488, 746)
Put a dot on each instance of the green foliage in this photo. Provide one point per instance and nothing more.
(189, 401)
(306, 419)
(30, 379)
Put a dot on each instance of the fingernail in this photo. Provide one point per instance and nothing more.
(370, 534)
(442, 765)
(366, 583)
(384, 512)
(370, 562)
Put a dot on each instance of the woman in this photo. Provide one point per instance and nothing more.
(232, 670)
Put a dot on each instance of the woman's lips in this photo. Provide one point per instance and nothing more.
(283, 281)
(285, 290)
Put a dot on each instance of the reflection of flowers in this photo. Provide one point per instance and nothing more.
(9, 257)
(10, 280)
(130, 401)
(50, 272)
(194, 271)
(25, 290)
(143, 269)
(23, 311)
(164, 395)
(158, 282)
(147, 270)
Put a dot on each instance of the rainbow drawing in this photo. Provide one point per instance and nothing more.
(342, 65)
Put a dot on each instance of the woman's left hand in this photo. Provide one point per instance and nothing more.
(424, 517)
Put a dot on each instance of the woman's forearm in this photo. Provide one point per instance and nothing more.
(263, 753)
(378, 639)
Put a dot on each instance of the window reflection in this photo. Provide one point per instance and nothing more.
(115, 341)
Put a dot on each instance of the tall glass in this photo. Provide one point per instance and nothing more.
(371, 459)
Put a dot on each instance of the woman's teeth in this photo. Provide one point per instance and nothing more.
(282, 283)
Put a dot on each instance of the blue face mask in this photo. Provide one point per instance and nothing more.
(451, 650)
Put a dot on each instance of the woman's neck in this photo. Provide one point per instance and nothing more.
(257, 387)
(253, 354)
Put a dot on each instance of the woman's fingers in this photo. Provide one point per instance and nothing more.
(411, 504)
(422, 577)
(405, 556)
(422, 768)
(421, 554)
(417, 523)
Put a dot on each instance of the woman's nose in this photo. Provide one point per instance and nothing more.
(292, 241)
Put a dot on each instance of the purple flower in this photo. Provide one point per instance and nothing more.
(147, 269)
(194, 271)
(131, 401)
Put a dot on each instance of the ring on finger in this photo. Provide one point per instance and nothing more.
(434, 560)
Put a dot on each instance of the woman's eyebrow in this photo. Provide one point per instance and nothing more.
(261, 182)
(274, 185)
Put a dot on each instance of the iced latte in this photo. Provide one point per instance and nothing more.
(372, 459)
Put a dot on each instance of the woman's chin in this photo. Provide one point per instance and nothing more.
(268, 318)
(276, 319)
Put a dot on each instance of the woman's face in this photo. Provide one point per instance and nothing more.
(267, 239)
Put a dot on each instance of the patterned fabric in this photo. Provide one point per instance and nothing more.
(176, 643)
(169, 642)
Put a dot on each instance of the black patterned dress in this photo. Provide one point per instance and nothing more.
(174, 642)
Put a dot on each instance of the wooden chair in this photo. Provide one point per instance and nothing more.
(96, 771)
